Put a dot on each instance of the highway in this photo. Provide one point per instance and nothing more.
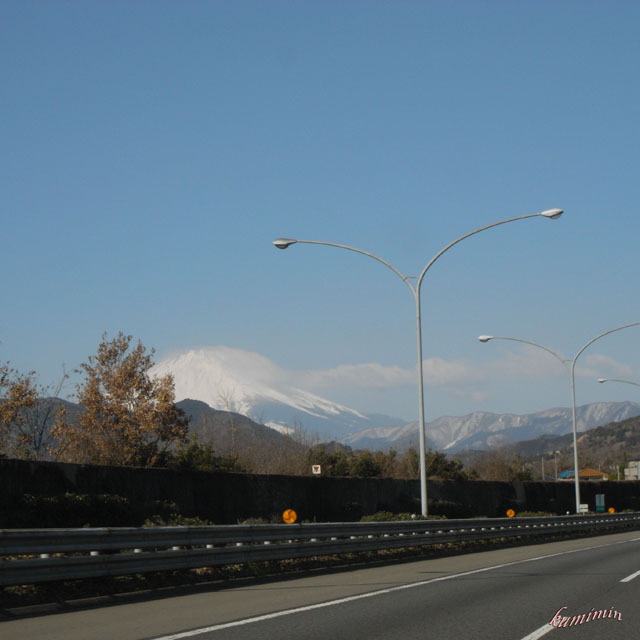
(509, 593)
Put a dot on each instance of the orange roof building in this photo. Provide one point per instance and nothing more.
(586, 474)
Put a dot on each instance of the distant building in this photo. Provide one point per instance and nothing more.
(632, 471)
(584, 474)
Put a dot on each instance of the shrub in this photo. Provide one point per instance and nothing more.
(176, 520)
(387, 516)
(448, 509)
(69, 510)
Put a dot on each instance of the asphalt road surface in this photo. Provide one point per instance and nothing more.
(510, 593)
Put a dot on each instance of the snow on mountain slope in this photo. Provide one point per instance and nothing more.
(481, 430)
(250, 384)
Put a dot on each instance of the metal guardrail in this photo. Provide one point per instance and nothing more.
(66, 554)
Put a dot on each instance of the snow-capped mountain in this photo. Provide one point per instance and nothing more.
(248, 383)
(481, 430)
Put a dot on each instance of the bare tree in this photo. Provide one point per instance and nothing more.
(33, 435)
(225, 400)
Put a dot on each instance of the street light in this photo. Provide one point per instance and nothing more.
(564, 362)
(614, 380)
(283, 243)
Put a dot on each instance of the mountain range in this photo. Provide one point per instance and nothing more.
(480, 430)
(242, 382)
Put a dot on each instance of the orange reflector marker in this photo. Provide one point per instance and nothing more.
(511, 513)
(289, 516)
(612, 510)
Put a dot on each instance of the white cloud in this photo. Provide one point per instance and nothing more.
(437, 371)
(238, 371)
(528, 362)
(532, 362)
(230, 368)
(372, 375)
(609, 366)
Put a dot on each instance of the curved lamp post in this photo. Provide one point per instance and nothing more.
(615, 380)
(573, 388)
(283, 243)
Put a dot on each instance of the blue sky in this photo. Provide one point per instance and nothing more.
(151, 151)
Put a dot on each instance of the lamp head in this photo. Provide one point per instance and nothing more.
(283, 243)
(552, 213)
(484, 338)
(602, 380)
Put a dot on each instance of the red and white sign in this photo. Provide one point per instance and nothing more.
(316, 469)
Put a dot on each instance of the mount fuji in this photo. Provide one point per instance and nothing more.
(250, 384)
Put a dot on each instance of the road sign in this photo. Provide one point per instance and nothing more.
(611, 510)
(316, 469)
(583, 508)
(511, 513)
(599, 502)
(289, 516)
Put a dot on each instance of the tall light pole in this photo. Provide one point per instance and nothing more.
(573, 389)
(283, 243)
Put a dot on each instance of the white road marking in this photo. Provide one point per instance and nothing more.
(287, 612)
(631, 577)
(538, 633)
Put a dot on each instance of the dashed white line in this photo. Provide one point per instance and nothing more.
(631, 577)
(538, 633)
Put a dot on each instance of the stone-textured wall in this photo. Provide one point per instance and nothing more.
(227, 498)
